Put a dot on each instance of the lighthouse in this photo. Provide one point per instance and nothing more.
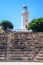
(24, 18)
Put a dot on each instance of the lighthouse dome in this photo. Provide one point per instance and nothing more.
(24, 9)
(24, 6)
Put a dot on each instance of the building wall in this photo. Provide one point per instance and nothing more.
(21, 46)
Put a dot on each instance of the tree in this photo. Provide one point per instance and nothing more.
(6, 24)
(36, 25)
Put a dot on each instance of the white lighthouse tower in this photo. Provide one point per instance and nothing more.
(24, 18)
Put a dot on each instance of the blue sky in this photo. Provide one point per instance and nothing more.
(11, 10)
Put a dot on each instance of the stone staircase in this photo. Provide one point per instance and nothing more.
(3, 51)
(3, 47)
(21, 46)
(25, 53)
(39, 56)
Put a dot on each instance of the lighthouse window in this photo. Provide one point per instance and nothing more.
(26, 20)
(26, 26)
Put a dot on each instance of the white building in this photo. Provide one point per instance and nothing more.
(24, 18)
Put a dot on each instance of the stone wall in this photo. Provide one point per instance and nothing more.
(21, 46)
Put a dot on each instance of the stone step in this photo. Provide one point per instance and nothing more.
(32, 45)
(19, 55)
(2, 54)
(2, 58)
(41, 52)
(39, 58)
(21, 58)
(23, 52)
(26, 49)
(2, 49)
(40, 55)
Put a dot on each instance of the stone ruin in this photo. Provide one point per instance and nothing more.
(21, 46)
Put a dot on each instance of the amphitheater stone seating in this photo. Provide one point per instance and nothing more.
(21, 46)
